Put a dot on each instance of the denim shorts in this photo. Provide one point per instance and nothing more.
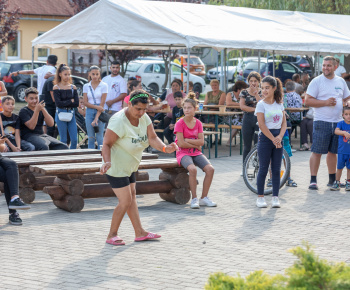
(343, 160)
(324, 139)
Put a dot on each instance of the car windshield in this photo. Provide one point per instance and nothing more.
(195, 61)
(252, 66)
(134, 66)
(4, 68)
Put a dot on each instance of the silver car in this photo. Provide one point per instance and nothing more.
(235, 65)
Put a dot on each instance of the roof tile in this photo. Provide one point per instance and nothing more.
(42, 7)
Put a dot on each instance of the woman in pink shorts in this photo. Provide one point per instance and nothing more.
(190, 138)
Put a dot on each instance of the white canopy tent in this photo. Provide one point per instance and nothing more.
(155, 25)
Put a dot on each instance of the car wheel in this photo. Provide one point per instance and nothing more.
(197, 88)
(20, 93)
(154, 89)
(79, 89)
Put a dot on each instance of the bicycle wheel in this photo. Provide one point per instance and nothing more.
(251, 168)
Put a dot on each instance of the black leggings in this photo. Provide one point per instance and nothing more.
(9, 176)
(248, 132)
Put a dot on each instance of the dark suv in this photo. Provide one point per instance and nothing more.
(16, 85)
(283, 70)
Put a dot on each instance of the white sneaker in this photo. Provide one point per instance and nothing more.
(207, 202)
(260, 202)
(194, 203)
(242, 173)
(275, 202)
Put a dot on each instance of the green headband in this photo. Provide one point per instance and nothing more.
(139, 96)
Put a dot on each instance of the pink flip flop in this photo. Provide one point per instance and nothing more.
(115, 241)
(150, 236)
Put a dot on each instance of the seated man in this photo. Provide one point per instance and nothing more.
(32, 120)
(11, 126)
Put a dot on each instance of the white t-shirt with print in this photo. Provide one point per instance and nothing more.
(116, 86)
(273, 114)
(101, 89)
(322, 88)
(41, 72)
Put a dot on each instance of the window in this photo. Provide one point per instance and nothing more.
(43, 53)
(288, 68)
(149, 69)
(159, 68)
(134, 66)
(13, 47)
(176, 70)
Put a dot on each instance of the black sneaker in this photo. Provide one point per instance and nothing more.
(18, 204)
(313, 186)
(15, 219)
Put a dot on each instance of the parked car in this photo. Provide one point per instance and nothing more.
(300, 61)
(152, 75)
(235, 65)
(197, 67)
(16, 85)
(283, 70)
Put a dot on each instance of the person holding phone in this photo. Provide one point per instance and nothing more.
(32, 119)
(248, 100)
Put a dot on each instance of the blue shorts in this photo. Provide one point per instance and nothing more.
(324, 139)
(343, 160)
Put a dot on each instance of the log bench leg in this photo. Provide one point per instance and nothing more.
(179, 179)
(26, 185)
(66, 192)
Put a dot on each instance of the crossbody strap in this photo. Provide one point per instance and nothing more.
(93, 95)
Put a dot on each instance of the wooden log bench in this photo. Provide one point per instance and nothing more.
(70, 190)
(30, 182)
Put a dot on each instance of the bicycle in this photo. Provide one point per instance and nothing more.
(251, 169)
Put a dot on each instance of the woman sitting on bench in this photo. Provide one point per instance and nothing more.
(129, 132)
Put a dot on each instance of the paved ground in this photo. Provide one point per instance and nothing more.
(59, 250)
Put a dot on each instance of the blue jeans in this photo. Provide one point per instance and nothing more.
(25, 145)
(268, 153)
(89, 117)
(70, 126)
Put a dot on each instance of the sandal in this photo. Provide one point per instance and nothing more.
(150, 236)
(115, 241)
(291, 183)
(304, 148)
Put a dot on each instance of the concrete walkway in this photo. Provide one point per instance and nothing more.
(55, 249)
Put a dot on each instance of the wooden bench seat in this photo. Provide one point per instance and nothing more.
(69, 190)
(25, 154)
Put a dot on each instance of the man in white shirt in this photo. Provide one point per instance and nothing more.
(43, 72)
(340, 71)
(326, 94)
(117, 89)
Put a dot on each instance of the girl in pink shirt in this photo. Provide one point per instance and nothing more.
(190, 138)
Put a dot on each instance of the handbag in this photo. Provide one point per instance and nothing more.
(104, 117)
(65, 116)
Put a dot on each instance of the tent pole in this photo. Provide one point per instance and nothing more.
(267, 64)
(222, 70)
(217, 64)
(31, 76)
(273, 67)
(169, 74)
(188, 70)
(225, 75)
(259, 60)
(106, 52)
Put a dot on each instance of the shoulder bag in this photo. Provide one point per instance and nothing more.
(104, 117)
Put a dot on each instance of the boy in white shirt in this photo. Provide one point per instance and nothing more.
(117, 89)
